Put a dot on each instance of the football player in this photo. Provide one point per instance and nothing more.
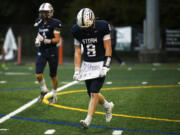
(3, 65)
(48, 36)
(94, 36)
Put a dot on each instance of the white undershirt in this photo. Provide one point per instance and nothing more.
(107, 37)
(56, 31)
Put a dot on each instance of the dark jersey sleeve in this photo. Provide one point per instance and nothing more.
(73, 31)
(106, 28)
(57, 24)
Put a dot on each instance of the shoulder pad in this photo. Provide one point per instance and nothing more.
(74, 29)
(103, 26)
(102, 23)
(56, 22)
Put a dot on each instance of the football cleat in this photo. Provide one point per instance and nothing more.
(42, 94)
(109, 112)
(53, 99)
(84, 124)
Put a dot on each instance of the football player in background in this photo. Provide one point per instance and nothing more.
(48, 36)
(94, 35)
(3, 65)
(113, 45)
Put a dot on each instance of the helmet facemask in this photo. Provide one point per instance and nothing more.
(46, 11)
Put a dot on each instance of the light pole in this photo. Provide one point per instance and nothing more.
(151, 51)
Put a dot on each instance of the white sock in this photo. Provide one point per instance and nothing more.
(106, 104)
(43, 86)
(88, 119)
(54, 92)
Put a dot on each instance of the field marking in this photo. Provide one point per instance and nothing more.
(93, 126)
(3, 129)
(109, 89)
(144, 83)
(49, 131)
(22, 108)
(17, 73)
(2, 82)
(117, 132)
(27, 105)
(109, 83)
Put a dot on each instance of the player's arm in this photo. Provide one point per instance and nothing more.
(107, 45)
(77, 59)
(56, 38)
(108, 54)
(77, 56)
(108, 50)
(56, 32)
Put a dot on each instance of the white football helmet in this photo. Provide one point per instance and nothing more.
(46, 7)
(85, 18)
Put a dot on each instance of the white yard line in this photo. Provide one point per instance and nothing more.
(22, 108)
(18, 110)
(3, 82)
(17, 73)
(3, 129)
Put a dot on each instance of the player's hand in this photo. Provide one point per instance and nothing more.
(40, 37)
(104, 71)
(47, 41)
(37, 42)
(76, 75)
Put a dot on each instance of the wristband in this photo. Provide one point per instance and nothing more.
(107, 61)
(47, 41)
(77, 69)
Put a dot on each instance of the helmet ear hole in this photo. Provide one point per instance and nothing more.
(85, 18)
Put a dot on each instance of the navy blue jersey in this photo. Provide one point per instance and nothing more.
(92, 40)
(47, 30)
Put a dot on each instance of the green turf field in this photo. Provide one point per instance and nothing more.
(146, 98)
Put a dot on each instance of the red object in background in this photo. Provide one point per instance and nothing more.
(61, 52)
(19, 51)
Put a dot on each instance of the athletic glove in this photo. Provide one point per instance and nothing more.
(106, 66)
(37, 42)
(42, 39)
(76, 75)
(104, 71)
